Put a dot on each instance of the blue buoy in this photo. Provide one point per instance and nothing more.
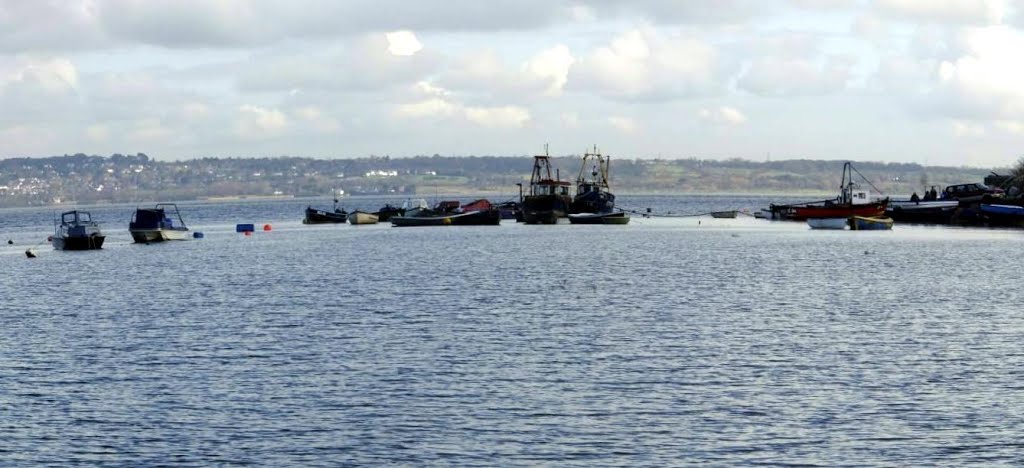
(197, 235)
(244, 228)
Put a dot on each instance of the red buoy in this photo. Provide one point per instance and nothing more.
(248, 233)
(266, 227)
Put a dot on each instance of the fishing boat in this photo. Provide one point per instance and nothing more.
(828, 223)
(548, 198)
(362, 217)
(77, 231)
(384, 214)
(870, 223)
(1003, 215)
(510, 210)
(592, 193)
(438, 218)
(852, 201)
(317, 216)
(618, 217)
(160, 223)
(925, 212)
(450, 213)
(724, 214)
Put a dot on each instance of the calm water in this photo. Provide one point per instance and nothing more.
(669, 341)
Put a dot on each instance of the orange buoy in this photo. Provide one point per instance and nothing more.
(266, 227)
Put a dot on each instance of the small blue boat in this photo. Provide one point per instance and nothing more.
(1003, 215)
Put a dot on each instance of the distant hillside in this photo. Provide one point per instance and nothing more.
(132, 178)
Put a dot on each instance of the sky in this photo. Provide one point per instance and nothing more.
(935, 82)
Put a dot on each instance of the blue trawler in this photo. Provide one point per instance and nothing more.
(592, 193)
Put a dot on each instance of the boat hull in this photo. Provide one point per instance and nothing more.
(928, 212)
(315, 216)
(545, 209)
(1003, 215)
(724, 214)
(801, 213)
(828, 223)
(362, 217)
(473, 218)
(599, 218)
(158, 235)
(78, 243)
(865, 223)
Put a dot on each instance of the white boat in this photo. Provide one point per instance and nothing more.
(162, 223)
(828, 223)
(362, 217)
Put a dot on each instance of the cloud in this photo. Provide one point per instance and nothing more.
(256, 122)
(723, 115)
(485, 72)
(646, 65)
(624, 125)
(964, 12)
(365, 64)
(403, 43)
(498, 117)
(773, 76)
(985, 82)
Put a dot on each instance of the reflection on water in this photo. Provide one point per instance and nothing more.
(695, 340)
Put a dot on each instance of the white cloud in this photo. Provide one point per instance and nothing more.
(485, 72)
(645, 64)
(314, 117)
(623, 124)
(978, 12)
(403, 43)
(723, 115)
(986, 82)
(503, 117)
(772, 76)
(434, 107)
(259, 122)
(366, 63)
(98, 133)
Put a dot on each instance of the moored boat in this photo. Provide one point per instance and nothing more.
(927, 212)
(158, 224)
(724, 214)
(618, 217)
(437, 218)
(362, 217)
(77, 231)
(828, 223)
(317, 216)
(870, 223)
(1003, 215)
(852, 201)
(385, 213)
(548, 198)
(592, 193)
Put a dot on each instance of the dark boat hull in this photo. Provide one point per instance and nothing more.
(315, 216)
(593, 202)
(599, 218)
(78, 243)
(545, 209)
(474, 218)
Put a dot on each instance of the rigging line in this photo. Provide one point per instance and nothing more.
(866, 180)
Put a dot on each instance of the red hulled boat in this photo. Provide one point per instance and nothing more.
(852, 201)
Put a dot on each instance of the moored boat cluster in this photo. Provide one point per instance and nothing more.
(969, 204)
